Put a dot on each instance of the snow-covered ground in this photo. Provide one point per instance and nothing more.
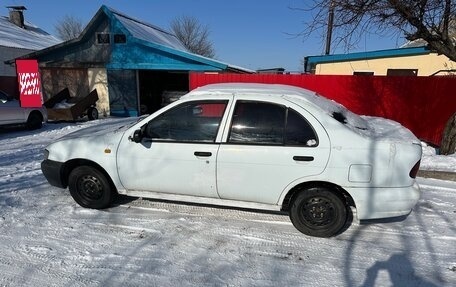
(46, 239)
(433, 161)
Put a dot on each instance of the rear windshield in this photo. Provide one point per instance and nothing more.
(338, 112)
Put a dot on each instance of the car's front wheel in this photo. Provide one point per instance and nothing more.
(319, 212)
(90, 188)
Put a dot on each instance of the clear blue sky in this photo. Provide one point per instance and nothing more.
(247, 33)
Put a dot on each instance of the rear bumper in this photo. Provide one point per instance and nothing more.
(53, 171)
(375, 203)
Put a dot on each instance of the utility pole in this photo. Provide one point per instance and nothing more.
(330, 27)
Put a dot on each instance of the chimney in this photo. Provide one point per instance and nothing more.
(16, 15)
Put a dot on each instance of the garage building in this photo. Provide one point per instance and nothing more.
(136, 67)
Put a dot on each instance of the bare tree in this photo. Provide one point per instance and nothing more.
(433, 21)
(193, 35)
(69, 27)
(448, 144)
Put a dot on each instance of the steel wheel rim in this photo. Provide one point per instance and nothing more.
(90, 187)
(318, 212)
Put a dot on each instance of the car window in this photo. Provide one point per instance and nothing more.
(189, 122)
(270, 124)
(257, 123)
(299, 131)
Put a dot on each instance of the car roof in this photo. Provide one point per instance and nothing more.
(270, 89)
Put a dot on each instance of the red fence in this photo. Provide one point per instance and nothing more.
(422, 104)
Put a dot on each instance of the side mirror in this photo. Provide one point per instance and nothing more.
(137, 136)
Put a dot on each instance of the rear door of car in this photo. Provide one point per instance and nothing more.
(267, 147)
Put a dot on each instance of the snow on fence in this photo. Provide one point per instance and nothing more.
(422, 104)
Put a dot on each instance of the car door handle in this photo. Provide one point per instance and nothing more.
(303, 158)
(202, 153)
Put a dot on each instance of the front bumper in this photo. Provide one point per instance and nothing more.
(53, 171)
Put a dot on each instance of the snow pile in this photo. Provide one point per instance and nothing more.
(433, 161)
(63, 105)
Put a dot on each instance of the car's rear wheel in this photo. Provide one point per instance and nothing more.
(90, 188)
(319, 212)
(34, 121)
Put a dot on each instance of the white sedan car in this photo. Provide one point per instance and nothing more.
(11, 113)
(258, 146)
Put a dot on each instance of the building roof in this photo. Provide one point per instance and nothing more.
(146, 35)
(156, 37)
(312, 61)
(148, 32)
(31, 37)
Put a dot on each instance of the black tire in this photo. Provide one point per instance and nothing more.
(34, 121)
(92, 113)
(319, 212)
(90, 188)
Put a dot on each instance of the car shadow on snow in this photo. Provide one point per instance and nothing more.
(14, 128)
(125, 200)
(384, 220)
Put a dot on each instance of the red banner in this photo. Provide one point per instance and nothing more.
(28, 77)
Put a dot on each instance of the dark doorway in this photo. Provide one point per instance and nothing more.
(123, 99)
(159, 88)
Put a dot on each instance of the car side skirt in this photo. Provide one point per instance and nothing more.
(202, 200)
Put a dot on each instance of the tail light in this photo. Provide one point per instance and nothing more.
(415, 169)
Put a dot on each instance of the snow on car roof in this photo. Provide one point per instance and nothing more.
(251, 87)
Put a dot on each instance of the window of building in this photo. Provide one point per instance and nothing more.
(103, 38)
(402, 72)
(120, 38)
(363, 73)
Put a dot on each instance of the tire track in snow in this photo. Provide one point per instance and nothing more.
(39, 259)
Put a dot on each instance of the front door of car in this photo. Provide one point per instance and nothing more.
(177, 153)
(269, 147)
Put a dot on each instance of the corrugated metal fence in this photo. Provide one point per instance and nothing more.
(422, 104)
